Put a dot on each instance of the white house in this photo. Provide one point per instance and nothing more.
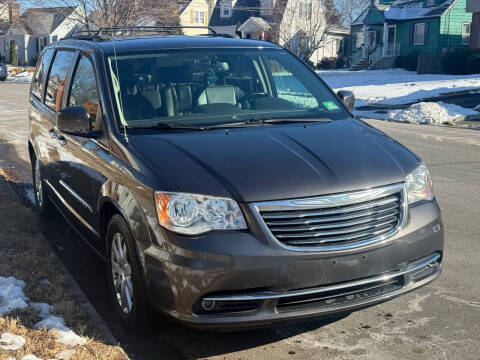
(34, 29)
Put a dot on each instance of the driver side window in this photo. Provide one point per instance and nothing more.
(84, 89)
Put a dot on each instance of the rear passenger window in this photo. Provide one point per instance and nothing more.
(58, 76)
(41, 73)
(84, 89)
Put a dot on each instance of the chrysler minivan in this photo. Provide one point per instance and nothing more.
(224, 183)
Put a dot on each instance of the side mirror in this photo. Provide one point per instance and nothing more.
(348, 99)
(74, 120)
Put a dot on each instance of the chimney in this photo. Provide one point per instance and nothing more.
(13, 11)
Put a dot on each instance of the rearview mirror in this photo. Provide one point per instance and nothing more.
(74, 120)
(348, 99)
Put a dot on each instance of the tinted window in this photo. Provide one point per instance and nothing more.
(58, 76)
(40, 73)
(84, 89)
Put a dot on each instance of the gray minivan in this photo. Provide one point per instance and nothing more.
(224, 183)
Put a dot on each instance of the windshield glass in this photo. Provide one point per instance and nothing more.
(202, 87)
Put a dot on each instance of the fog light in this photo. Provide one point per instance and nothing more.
(208, 305)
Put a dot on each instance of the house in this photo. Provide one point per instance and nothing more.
(282, 21)
(31, 31)
(194, 13)
(387, 29)
(473, 6)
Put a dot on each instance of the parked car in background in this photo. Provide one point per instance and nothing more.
(3, 72)
(224, 183)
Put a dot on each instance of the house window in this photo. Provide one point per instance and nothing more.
(265, 7)
(430, 2)
(466, 33)
(419, 35)
(225, 10)
(198, 17)
(305, 11)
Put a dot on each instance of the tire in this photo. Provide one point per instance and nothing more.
(43, 203)
(126, 285)
(2, 79)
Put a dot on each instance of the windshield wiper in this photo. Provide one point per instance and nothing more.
(276, 121)
(168, 126)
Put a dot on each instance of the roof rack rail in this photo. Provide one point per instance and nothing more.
(83, 34)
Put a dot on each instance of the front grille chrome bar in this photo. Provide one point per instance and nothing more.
(334, 222)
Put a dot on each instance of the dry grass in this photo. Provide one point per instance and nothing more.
(43, 344)
(26, 255)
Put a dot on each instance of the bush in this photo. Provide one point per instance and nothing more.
(408, 62)
(461, 62)
(13, 59)
(327, 63)
(340, 63)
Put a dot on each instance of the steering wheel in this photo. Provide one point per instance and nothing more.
(253, 96)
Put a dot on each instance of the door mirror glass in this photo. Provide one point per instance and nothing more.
(74, 120)
(348, 99)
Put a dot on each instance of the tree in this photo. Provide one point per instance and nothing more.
(303, 27)
(93, 14)
(13, 59)
(351, 9)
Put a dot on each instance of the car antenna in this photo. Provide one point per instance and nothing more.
(118, 78)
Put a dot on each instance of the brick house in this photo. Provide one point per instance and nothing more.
(473, 6)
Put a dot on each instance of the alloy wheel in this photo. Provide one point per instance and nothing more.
(121, 273)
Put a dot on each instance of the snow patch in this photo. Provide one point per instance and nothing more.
(396, 86)
(50, 321)
(30, 196)
(9, 341)
(11, 295)
(30, 357)
(430, 113)
(23, 77)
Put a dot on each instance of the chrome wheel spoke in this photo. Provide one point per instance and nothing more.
(121, 273)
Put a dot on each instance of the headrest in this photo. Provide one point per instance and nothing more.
(218, 95)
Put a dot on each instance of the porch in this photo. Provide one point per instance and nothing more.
(378, 48)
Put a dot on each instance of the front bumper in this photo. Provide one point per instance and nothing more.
(248, 280)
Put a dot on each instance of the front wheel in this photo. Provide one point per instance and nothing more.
(125, 280)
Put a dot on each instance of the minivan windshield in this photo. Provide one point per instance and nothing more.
(212, 87)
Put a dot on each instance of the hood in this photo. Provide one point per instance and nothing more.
(281, 161)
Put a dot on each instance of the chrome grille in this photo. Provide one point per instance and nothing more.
(335, 222)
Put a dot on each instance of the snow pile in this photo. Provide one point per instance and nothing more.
(430, 113)
(11, 295)
(397, 86)
(51, 321)
(23, 77)
(11, 342)
(12, 298)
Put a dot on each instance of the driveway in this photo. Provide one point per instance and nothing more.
(441, 320)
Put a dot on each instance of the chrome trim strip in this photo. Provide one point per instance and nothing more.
(380, 278)
(303, 204)
(333, 200)
(75, 195)
(72, 210)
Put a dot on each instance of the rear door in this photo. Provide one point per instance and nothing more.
(40, 121)
(76, 166)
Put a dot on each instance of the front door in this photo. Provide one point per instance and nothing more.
(392, 33)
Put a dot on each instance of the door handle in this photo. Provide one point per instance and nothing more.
(62, 140)
(52, 133)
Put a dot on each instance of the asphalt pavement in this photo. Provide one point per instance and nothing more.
(439, 321)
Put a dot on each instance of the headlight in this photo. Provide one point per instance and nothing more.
(419, 184)
(192, 214)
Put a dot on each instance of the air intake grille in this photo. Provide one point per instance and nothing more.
(338, 221)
